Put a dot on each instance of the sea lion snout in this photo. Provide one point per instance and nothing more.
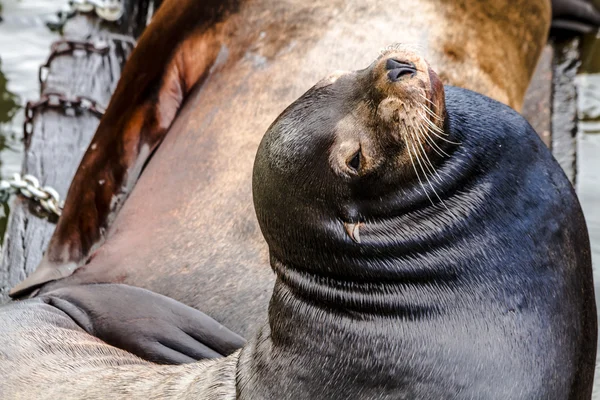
(404, 82)
(398, 69)
(398, 102)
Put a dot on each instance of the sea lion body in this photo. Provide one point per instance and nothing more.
(189, 222)
(46, 355)
(476, 285)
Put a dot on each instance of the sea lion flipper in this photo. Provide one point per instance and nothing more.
(575, 15)
(45, 272)
(144, 105)
(149, 325)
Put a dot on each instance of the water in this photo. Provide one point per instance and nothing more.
(25, 42)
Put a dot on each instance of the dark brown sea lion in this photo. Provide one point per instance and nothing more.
(426, 245)
(189, 222)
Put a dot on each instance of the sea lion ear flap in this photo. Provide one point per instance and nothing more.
(437, 96)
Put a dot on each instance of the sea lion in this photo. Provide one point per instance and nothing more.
(237, 65)
(426, 245)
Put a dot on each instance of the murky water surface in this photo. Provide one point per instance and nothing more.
(25, 43)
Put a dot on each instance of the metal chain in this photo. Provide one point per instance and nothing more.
(29, 186)
(61, 102)
(62, 47)
(109, 10)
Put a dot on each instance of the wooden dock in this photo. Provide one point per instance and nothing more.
(77, 82)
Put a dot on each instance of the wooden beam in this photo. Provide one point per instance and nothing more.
(60, 137)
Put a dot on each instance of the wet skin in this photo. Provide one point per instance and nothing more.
(189, 223)
(426, 245)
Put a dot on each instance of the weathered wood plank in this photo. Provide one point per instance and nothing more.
(59, 139)
(564, 105)
(537, 107)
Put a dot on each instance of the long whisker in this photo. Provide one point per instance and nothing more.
(425, 108)
(417, 173)
(430, 123)
(431, 168)
(422, 154)
(425, 174)
(425, 157)
(432, 142)
(443, 138)
(426, 99)
(436, 130)
(408, 141)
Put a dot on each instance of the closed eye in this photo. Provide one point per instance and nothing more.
(354, 162)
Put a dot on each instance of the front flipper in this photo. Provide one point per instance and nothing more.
(173, 55)
(149, 325)
(575, 15)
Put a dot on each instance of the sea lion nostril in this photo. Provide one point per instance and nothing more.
(398, 69)
(398, 73)
(395, 64)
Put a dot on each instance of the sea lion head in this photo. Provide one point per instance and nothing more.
(357, 147)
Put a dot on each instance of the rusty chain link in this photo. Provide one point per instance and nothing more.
(64, 46)
(29, 186)
(108, 10)
(58, 101)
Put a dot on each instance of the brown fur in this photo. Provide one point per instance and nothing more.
(188, 229)
(394, 317)
(45, 355)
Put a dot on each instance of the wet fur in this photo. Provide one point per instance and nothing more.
(194, 195)
(505, 310)
(44, 354)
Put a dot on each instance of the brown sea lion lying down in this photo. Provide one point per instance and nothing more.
(188, 229)
(426, 245)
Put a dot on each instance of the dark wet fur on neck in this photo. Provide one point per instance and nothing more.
(496, 302)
